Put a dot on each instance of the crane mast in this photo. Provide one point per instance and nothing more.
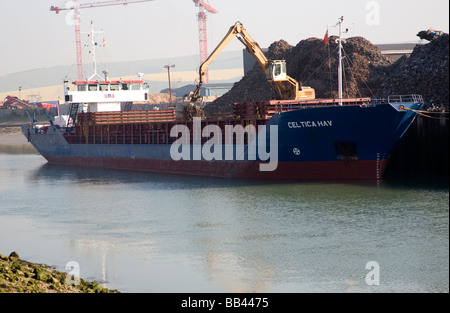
(202, 33)
(77, 21)
(78, 39)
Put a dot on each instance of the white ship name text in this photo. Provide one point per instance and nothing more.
(310, 124)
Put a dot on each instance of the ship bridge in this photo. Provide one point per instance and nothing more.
(106, 95)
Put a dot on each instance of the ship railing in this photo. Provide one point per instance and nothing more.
(413, 98)
(285, 106)
(266, 109)
(375, 101)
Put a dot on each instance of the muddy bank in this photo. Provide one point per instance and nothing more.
(12, 141)
(20, 276)
(12, 136)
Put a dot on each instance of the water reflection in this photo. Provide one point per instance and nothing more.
(110, 176)
(82, 175)
(137, 231)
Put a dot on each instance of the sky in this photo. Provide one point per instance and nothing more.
(34, 37)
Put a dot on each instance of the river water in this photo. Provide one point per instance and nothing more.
(144, 232)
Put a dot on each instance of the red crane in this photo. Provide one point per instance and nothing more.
(76, 7)
(203, 43)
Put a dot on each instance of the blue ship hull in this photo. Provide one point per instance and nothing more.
(350, 142)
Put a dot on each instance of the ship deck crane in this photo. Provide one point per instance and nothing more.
(286, 87)
(76, 6)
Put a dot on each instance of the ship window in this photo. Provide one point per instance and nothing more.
(104, 87)
(93, 87)
(124, 86)
(114, 87)
(82, 87)
(135, 86)
(346, 151)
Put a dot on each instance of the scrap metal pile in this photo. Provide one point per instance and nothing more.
(367, 72)
(426, 70)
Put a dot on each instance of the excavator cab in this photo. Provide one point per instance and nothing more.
(276, 70)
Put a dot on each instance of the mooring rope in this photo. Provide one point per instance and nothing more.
(422, 113)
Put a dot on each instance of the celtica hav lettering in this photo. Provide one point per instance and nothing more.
(272, 155)
(212, 149)
(182, 142)
(231, 145)
(193, 303)
(310, 124)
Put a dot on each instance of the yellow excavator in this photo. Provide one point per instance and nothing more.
(286, 87)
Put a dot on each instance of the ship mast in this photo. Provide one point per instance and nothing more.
(341, 20)
(93, 44)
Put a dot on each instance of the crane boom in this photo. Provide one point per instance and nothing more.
(76, 6)
(286, 87)
(96, 4)
(207, 7)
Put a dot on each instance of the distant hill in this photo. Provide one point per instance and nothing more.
(43, 77)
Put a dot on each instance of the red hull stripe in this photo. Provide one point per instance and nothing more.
(337, 170)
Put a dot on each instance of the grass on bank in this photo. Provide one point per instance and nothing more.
(19, 276)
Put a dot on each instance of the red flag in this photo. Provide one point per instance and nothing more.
(325, 39)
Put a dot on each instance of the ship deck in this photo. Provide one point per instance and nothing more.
(153, 127)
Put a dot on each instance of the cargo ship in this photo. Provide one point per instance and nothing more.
(296, 137)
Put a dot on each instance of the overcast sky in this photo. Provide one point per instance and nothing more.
(33, 37)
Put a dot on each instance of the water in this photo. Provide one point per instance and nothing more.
(144, 232)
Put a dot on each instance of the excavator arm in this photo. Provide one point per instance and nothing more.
(286, 87)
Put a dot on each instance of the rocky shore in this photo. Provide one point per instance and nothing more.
(19, 276)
